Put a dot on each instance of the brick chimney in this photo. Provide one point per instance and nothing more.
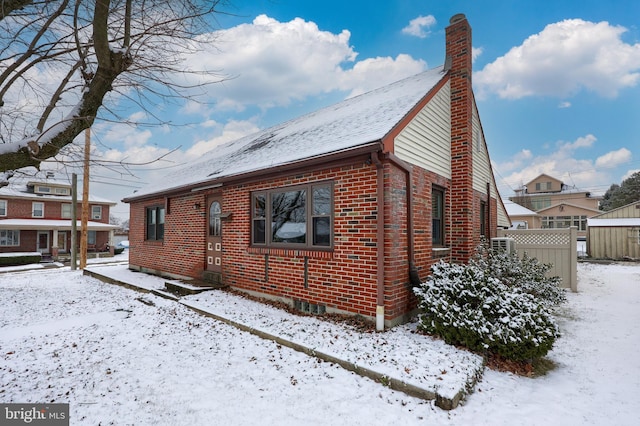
(458, 64)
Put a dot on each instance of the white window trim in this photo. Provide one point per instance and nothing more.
(33, 209)
(6, 207)
(62, 210)
(94, 216)
(14, 232)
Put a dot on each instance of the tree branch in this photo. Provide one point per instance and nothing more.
(7, 7)
(115, 45)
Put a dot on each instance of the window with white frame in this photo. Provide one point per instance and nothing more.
(559, 222)
(9, 238)
(91, 237)
(3, 207)
(96, 212)
(37, 209)
(66, 211)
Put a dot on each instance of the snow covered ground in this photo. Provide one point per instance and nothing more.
(122, 357)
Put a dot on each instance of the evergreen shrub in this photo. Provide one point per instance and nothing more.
(491, 311)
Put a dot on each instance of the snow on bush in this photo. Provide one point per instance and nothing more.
(466, 305)
(527, 273)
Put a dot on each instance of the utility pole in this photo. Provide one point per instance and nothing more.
(85, 199)
(74, 223)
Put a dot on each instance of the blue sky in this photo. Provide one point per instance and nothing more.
(557, 83)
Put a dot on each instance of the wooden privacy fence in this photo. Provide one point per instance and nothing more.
(558, 247)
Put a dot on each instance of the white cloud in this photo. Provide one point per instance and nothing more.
(271, 63)
(516, 162)
(126, 133)
(586, 174)
(582, 142)
(563, 59)
(564, 104)
(476, 52)
(419, 26)
(629, 173)
(614, 158)
(372, 73)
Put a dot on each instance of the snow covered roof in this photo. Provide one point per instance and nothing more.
(17, 188)
(622, 222)
(50, 224)
(515, 209)
(350, 124)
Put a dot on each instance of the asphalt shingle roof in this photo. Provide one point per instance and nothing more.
(351, 123)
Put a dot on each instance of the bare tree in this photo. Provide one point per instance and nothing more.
(62, 60)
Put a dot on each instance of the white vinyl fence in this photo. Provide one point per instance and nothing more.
(555, 246)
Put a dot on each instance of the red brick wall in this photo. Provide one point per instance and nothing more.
(22, 209)
(27, 243)
(343, 279)
(396, 260)
(182, 250)
(458, 47)
(399, 297)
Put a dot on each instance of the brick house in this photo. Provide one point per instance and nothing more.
(340, 210)
(35, 216)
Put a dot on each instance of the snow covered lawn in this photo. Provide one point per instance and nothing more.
(65, 337)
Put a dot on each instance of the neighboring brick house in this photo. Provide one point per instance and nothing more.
(341, 210)
(557, 204)
(35, 215)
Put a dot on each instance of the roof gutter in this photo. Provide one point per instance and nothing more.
(324, 160)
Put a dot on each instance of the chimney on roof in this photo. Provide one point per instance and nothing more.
(458, 64)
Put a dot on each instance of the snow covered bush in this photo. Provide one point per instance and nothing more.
(467, 306)
(527, 273)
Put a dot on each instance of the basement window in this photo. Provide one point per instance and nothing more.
(299, 216)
